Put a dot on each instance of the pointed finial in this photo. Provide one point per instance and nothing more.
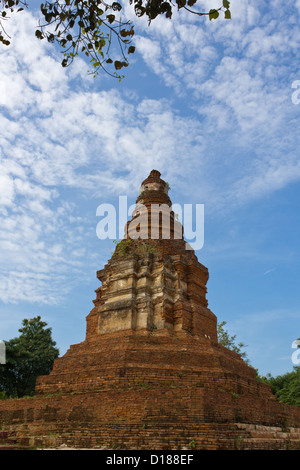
(154, 174)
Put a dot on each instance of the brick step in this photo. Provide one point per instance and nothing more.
(186, 435)
(272, 435)
(265, 443)
(15, 440)
(12, 447)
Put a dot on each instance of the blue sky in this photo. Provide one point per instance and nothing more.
(209, 105)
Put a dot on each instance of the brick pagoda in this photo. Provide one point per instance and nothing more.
(150, 373)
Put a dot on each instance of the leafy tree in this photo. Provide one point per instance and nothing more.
(286, 387)
(229, 341)
(27, 356)
(93, 27)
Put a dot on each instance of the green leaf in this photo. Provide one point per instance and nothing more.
(167, 9)
(213, 14)
(227, 15)
(118, 65)
(116, 6)
(39, 34)
(102, 43)
(48, 17)
(226, 4)
(124, 32)
(181, 3)
(131, 50)
(50, 38)
(111, 18)
(191, 2)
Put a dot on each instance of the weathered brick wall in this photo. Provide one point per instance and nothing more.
(151, 390)
(150, 418)
(158, 356)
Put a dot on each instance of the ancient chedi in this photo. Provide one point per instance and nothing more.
(150, 373)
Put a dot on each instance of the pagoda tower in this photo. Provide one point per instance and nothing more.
(152, 280)
(150, 373)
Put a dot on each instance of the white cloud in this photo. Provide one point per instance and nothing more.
(6, 190)
(237, 74)
(270, 176)
(56, 135)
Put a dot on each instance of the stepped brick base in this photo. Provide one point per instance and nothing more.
(134, 390)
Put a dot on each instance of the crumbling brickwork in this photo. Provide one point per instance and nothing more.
(150, 373)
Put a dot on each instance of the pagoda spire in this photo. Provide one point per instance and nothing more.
(153, 217)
